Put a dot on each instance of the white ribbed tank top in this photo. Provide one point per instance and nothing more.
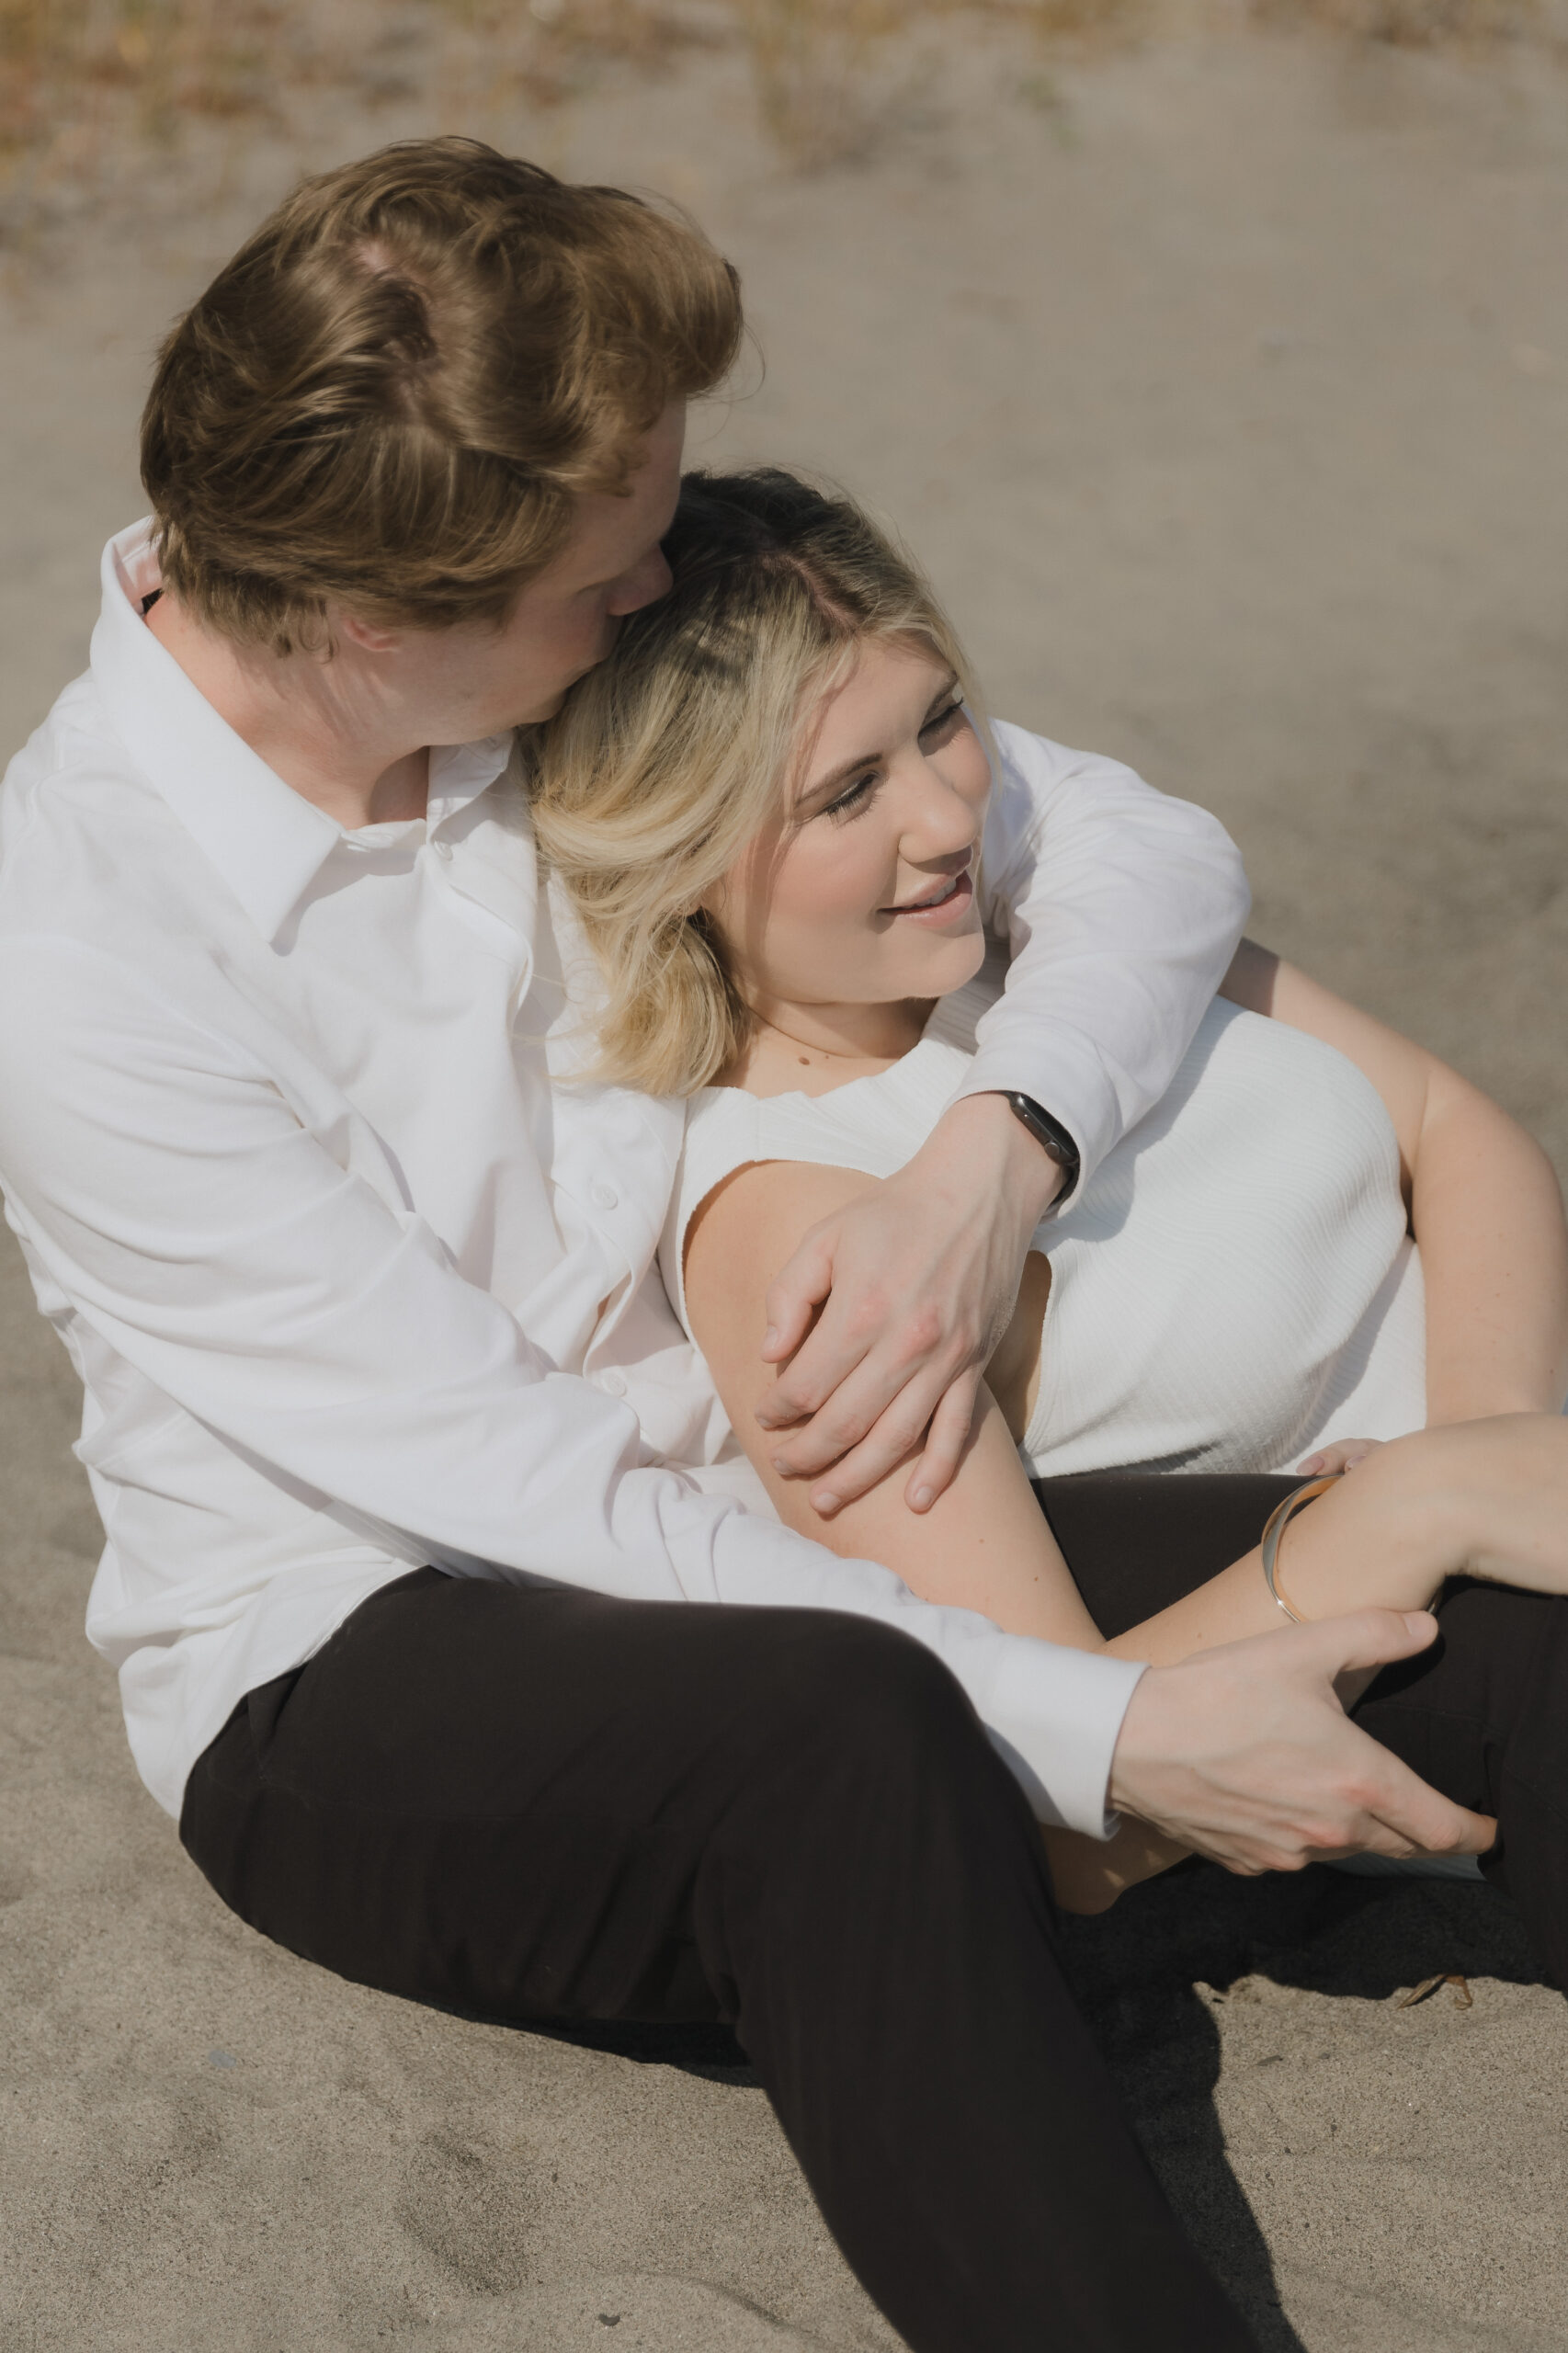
(1235, 1286)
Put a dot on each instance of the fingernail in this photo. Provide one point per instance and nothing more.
(924, 1499)
(769, 1339)
(781, 1466)
(825, 1503)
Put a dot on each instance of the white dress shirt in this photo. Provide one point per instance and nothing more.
(345, 1283)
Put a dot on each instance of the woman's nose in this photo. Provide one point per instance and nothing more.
(939, 822)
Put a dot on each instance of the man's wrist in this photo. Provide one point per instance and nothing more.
(1035, 1178)
(1131, 1756)
(1048, 1132)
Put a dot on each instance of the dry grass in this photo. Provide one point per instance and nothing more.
(91, 89)
(1415, 24)
(54, 50)
(831, 75)
(194, 58)
(94, 91)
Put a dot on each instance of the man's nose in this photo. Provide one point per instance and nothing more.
(643, 585)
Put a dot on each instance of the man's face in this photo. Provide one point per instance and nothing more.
(474, 681)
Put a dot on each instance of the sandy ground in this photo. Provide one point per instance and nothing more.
(1223, 387)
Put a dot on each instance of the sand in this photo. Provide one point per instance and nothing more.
(1223, 387)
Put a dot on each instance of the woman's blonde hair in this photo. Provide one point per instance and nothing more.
(666, 760)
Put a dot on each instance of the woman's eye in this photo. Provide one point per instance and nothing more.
(853, 797)
(943, 723)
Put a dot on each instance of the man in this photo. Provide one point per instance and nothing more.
(390, 1577)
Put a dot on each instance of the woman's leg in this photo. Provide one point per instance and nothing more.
(542, 1805)
(1482, 1715)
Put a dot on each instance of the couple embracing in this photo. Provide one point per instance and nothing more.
(696, 1270)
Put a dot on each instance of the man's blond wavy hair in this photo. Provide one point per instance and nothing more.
(668, 759)
(394, 397)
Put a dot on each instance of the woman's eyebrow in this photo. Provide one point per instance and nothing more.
(842, 775)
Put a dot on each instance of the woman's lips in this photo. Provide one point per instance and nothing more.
(933, 913)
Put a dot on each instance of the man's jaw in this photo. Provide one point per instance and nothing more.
(547, 705)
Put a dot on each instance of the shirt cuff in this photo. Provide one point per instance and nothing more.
(1055, 1716)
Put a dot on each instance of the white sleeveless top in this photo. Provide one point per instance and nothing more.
(1235, 1286)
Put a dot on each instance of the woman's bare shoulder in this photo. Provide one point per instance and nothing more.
(741, 1232)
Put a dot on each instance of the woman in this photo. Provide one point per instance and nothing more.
(765, 812)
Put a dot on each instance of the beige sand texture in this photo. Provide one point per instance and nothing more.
(1223, 384)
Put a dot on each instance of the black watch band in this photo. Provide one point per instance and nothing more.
(1051, 1137)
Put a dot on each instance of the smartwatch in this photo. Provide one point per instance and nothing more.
(1051, 1137)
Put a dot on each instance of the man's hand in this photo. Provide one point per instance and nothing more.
(915, 1285)
(1245, 1754)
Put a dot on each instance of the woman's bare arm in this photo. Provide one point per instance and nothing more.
(1484, 1201)
(983, 1544)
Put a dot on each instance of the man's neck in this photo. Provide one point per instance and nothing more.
(317, 721)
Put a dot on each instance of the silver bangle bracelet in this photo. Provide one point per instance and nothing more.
(1278, 1521)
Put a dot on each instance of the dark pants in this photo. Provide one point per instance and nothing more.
(542, 1805)
(1482, 1715)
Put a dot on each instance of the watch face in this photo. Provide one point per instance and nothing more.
(1055, 1140)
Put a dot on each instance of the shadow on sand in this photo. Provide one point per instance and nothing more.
(1135, 1970)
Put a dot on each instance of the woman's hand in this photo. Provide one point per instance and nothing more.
(910, 1286)
(1343, 1455)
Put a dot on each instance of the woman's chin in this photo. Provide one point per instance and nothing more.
(909, 970)
(931, 968)
(953, 962)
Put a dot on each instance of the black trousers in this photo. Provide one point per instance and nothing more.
(540, 1805)
(1482, 1715)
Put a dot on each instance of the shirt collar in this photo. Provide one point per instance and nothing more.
(459, 773)
(265, 839)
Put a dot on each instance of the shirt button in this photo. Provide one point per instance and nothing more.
(614, 1384)
(603, 1197)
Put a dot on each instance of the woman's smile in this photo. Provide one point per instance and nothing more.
(941, 903)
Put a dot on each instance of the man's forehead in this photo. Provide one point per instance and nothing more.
(616, 527)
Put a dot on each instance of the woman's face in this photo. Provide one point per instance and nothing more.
(861, 891)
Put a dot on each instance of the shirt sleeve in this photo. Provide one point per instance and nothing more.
(231, 1253)
(1123, 908)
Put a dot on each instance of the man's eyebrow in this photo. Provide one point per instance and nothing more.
(869, 759)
